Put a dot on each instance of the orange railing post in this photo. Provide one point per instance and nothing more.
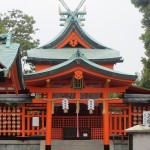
(130, 115)
(23, 120)
(125, 121)
(110, 123)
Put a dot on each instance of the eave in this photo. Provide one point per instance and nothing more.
(58, 61)
(80, 60)
(13, 98)
(137, 98)
(60, 55)
(137, 90)
(135, 94)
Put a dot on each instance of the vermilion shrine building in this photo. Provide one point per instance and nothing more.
(73, 69)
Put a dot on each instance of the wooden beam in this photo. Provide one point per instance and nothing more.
(70, 90)
(81, 101)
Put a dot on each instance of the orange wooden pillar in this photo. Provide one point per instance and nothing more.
(105, 122)
(49, 124)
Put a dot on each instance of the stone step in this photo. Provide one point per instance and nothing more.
(62, 145)
(77, 145)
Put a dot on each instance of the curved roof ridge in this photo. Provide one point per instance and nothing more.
(73, 25)
(53, 39)
(85, 32)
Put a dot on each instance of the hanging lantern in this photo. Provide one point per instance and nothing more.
(65, 105)
(90, 106)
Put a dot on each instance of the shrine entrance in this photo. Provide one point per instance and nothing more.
(77, 100)
(80, 125)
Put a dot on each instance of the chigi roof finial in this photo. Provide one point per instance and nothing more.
(76, 15)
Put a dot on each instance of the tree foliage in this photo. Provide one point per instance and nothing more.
(2, 27)
(23, 25)
(144, 8)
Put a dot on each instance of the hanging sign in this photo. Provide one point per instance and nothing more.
(146, 118)
(35, 121)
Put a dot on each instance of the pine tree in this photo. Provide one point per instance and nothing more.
(144, 8)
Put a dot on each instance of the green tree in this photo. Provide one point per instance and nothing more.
(144, 8)
(2, 27)
(23, 25)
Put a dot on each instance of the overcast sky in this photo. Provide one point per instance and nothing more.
(114, 23)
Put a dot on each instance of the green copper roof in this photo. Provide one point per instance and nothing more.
(49, 54)
(8, 52)
(8, 55)
(79, 59)
(66, 53)
(73, 25)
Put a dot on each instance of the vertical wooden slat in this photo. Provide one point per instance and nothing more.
(13, 121)
(38, 129)
(115, 123)
(43, 122)
(9, 121)
(4, 121)
(31, 123)
(28, 123)
(23, 120)
(120, 122)
(125, 121)
(130, 115)
(110, 123)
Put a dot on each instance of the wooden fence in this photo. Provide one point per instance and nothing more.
(18, 120)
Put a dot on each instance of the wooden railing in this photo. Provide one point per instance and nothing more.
(13, 122)
(119, 118)
(71, 121)
(119, 121)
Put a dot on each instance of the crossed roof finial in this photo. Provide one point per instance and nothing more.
(72, 15)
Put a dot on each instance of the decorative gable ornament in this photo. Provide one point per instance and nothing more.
(78, 80)
(73, 42)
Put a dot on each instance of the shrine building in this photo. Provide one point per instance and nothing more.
(74, 92)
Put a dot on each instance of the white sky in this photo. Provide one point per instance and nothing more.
(114, 23)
